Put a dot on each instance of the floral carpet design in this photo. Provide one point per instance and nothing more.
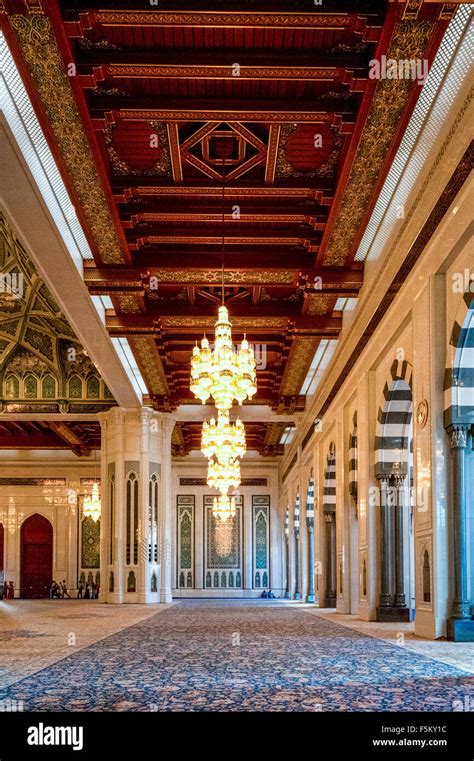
(235, 655)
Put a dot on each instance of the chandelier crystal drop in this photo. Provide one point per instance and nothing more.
(222, 373)
(224, 512)
(223, 440)
(223, 476)
(223, 507)
(91, 507)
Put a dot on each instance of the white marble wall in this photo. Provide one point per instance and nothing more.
(253, 466)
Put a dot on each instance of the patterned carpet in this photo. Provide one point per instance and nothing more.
(202, 655)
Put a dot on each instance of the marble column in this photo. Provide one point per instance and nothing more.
(166, 425)
(331, 571)
(458, 448)
(287, 545)
(297, 549)
(135, 550)
(386, 545)
(310, 527)
(297, 565)
(399, 482)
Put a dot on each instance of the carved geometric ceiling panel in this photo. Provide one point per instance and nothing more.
(278, 107)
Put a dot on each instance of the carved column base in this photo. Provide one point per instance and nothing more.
(386, 601)
(330, 598)
(460, 630)
(461, 609)
(392, 614)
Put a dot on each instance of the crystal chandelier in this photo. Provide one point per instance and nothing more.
(223, 507)
(224, 510)
(223, 476)
(223, 440)
(222, 373)
(227, 376)
(91, 507)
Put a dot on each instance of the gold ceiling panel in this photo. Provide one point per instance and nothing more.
(45, 65)
(298, 363)
(409, 41)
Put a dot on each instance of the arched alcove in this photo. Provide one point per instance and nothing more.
(36, 571)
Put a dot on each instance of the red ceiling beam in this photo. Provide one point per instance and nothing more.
(332, 75)
(258, 210)
(222, 109)
(101, 279)
(138, 61)
(143, 324)
(217, 19)
(129, 187)
(203, 219)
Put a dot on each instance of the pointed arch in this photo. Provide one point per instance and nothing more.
(393, 440)
(329, 488)
(310, 501)
(459, 373)
(353, 459)
(297, 512)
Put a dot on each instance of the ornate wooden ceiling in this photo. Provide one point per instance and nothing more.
(163, 95)
(80, 437)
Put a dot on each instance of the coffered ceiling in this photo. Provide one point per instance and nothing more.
(168, 120)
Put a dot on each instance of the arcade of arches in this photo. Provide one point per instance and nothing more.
(350, 270)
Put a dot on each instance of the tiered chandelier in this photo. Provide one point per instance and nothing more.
(91, 505)
(224, 374)
(223, 440)
(227, 376)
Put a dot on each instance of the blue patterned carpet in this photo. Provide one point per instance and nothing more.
(188, 658)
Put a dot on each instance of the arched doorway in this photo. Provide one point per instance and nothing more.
(36, 571)
(329, 508)
(352, 522)
(2, 539)
(394, 472)
(459, 422)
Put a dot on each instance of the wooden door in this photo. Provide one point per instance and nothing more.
(36, 557)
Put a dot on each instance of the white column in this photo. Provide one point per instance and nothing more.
(167, 424)
(137, 440)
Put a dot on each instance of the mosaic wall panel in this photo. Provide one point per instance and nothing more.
(89, 543)
(223, 550)
(261, 541)
(185, 541)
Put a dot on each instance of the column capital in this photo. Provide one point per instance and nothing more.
(458, 434)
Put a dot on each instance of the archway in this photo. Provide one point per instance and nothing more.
(459, 422)
(394, 471)
(36, 570)
(329, 509)
(352, 521)
(2, 539)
